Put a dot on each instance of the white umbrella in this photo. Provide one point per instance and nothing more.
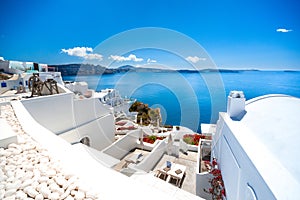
(170, 144)
(141, 121)
(141, 138)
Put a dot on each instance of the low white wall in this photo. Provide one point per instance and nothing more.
(96, 131)
(202, 178)
(86, 110)
(74, 119)
(10, 84)
(107, 182)
(54, 112)
(202, 182)
(193, 148)
(121, 147)
(153, 157)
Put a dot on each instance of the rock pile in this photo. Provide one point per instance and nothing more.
(27, 171)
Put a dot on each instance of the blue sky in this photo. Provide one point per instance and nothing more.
(236, 34)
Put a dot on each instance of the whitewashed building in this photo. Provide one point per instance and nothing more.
(257, 147)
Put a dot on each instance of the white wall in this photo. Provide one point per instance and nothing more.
(54, 112)
(95, 130)
(88, 109)
(121, 147)
(153, 157)
(202, 180)
(74, 119)
(237, 169)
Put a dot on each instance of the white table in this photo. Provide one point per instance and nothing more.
(171, 172)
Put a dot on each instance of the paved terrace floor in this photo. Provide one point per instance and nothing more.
(123, 163)
(189, 160)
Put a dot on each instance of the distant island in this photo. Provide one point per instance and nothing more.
(89, 69)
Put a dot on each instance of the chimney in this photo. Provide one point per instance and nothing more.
(236, 105)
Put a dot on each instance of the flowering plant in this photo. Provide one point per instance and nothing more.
(152, 138)
(217, 189)
(192, 139)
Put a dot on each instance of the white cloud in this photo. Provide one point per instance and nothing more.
(194, 59)
(283, 30)
(1, 58)
(83, 52)
(93, 56)
(151, 61)
(131, 57)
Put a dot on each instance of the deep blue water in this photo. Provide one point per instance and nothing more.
(189, 99)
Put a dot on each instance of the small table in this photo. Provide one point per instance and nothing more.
(176, 171)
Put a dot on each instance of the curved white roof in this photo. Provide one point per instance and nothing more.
(275, 121)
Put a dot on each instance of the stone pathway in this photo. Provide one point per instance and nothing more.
(27, 171)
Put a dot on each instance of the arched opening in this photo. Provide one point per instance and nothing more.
(85, 141)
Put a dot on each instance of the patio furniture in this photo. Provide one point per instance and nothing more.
(134, 158)
(175, 171)
(163, 170)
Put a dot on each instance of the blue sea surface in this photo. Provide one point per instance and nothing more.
(189, 99)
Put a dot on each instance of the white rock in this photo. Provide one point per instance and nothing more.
(44, 159)
(12, 197)
(53, 196)
(53, 187)
(10, 173)
(72, 186)
(27, 175)
(20, 194)
(30, 191)
(11, 179)
(10, 192)
(16, 151)
(50, 181)
(36, 173)
(3, 178)
(26, 183)
(69, 198)
(79, 195)
(45, 192)
(40, 186)
(19, 173)
(35, 184)
(73, 192)
(65, 194)
(29, 167)
(14, 185)
(60, 180)
(51, 172)
(5, 153)
(2, 193)
(91, 195)
(39, 197)
(72, 179)
(68, 175)
(2, 186)
(43, 179)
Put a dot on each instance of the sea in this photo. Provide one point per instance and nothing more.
(191, 98)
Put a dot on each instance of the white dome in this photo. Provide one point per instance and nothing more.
(274, 120)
